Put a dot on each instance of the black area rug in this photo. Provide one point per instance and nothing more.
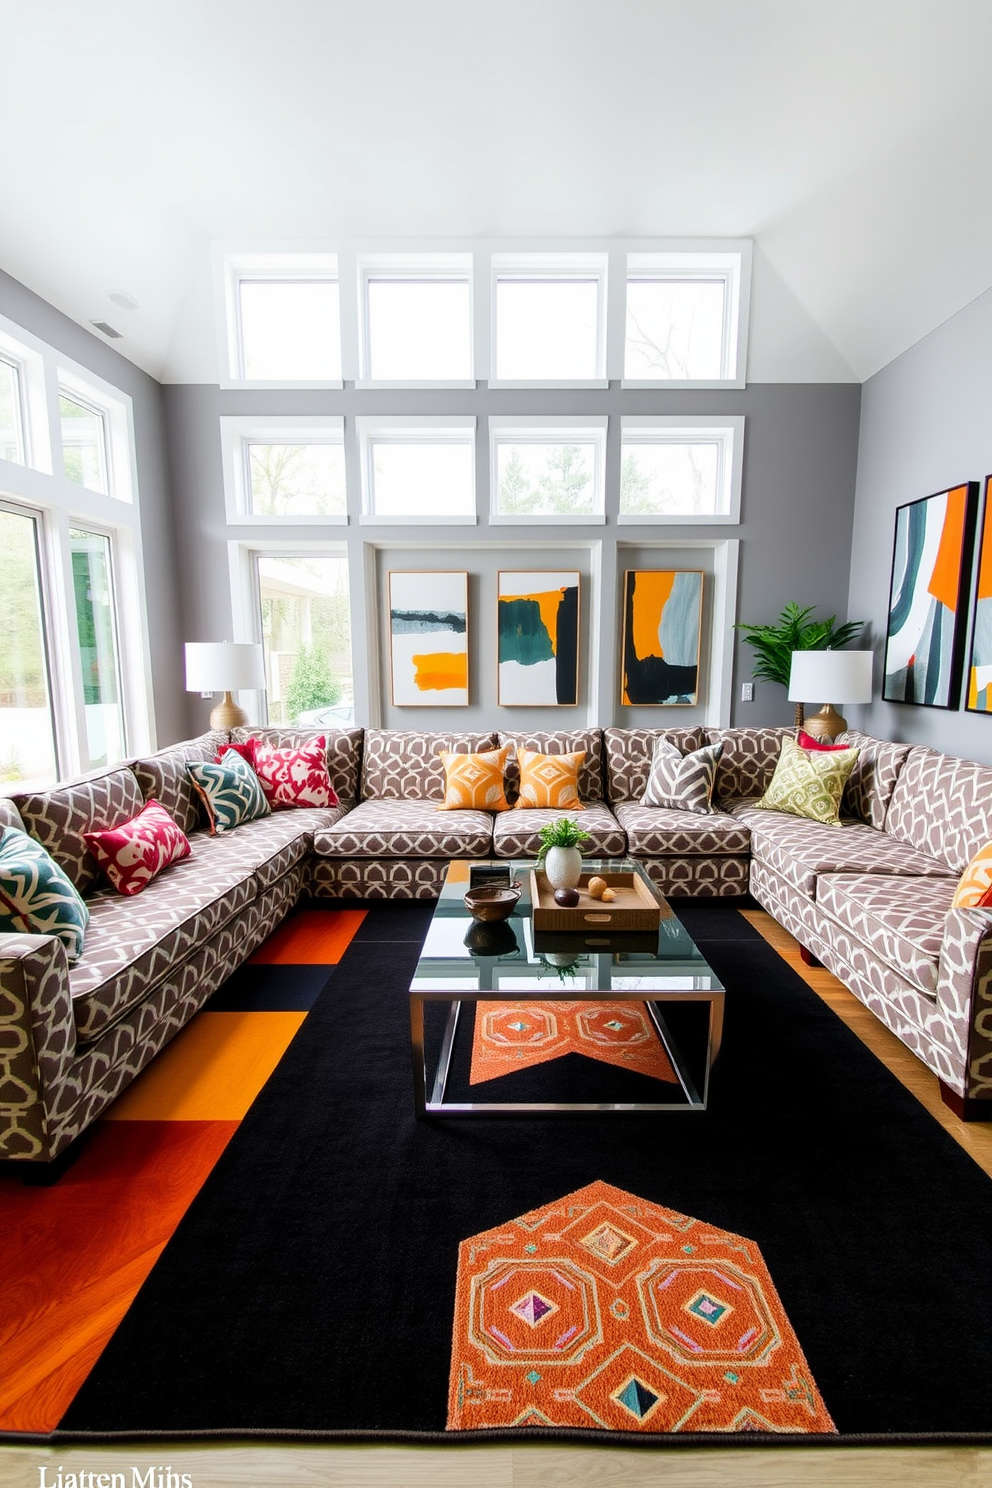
(309, 1289)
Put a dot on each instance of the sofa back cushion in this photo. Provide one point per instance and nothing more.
(163, 777)
(398, 765)
(748, 761)
(942, 805)
(558, 741)
(629, 753)
(872, 780)
(343, 751)
(9, 814)
(58, 818)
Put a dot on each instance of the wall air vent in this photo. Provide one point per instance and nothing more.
(108, 330)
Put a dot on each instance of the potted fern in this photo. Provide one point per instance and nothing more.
(794, 631)
(559, 852)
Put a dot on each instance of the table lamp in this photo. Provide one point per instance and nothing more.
(844, 676)
(224, 666)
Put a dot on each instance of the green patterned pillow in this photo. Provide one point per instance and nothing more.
(36, 895)
(809, 783)
(230, 791)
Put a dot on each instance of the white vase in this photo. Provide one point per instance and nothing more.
(562, 867)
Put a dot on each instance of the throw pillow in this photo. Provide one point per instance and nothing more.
(974, 890)
(809, 783)
(294, 777)
(246, 751)
(474, 781)
(682, 781)
(549, 780)
(231, 792)
(134, 852)
(36, 896)
(806, 741)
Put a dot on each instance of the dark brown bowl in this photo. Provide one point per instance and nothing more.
(492, 902)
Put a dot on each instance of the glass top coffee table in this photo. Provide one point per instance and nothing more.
(505, 1021)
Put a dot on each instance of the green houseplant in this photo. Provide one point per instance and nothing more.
(794, 631)
(560, 852)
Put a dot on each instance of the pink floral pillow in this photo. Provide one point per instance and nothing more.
(246, 751)
(132, 853)
(294, 777)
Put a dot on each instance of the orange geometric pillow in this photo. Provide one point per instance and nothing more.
(475, 781)
(974, 890)
(549, 780)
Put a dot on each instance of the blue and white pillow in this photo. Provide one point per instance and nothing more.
(230, 791)
(36, 896)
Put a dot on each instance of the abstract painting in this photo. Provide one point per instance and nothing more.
(931, 558)
(979, 698)
(538, 638)
(662, 619)
(428, 639)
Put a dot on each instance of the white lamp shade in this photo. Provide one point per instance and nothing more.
(830, 677)
(223, 666)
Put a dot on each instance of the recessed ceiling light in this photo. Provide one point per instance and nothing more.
(108, 330)
(125, 301)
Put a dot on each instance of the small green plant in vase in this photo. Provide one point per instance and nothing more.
(560, 854)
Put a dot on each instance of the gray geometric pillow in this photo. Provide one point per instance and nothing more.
(684, 782)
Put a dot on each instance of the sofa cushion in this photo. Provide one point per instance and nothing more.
(59, 817)
(516, 833)
(272, 845)
(390, 828)
(137, 851)
(163, 778)
(942, 805)
(399, 766)
(131, 944)
(296, 776)
(809, 782)
(801, 850)
(230, 791)
(37, 897)
(342, 750)
(475, 781)
(899, 919)
(629, 752)
(748, 761)
(974, 889)
(683, 782)
(872, 780)
(549, 780)
(662, 832)
(588, 742)
(9, 814)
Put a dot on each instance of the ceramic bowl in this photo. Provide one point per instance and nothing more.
(492, 902)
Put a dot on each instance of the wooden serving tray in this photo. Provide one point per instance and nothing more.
(634, 908)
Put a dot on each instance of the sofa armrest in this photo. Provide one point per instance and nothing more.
(37, 1038)
(964, 992)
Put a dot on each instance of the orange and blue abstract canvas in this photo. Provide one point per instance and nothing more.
(980, 661)
(538, 638)
(428, 638)
(930, 560)
(662, 614)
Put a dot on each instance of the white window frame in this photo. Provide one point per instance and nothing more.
(230, 267)
(726, 432)
(106, 488)
(383, 429)
(731, 263)
(20, 422)
(118, 430)
(553, 267)
(237, 433)
(29, 363)
(413, 267)
(533, 429)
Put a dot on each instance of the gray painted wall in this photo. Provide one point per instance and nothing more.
(155, 505)
(800, 453)
(925, 426)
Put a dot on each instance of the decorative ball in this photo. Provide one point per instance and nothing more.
(567, 898)
(596, 887)
(608, 896)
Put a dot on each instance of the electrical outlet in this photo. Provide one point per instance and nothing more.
(747, 692)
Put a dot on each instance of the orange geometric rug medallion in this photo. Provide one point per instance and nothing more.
(516, 1035)
(604, 1310)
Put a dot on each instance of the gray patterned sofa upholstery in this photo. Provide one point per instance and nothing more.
(871, 900)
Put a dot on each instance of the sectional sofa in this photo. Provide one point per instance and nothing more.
(870, 899)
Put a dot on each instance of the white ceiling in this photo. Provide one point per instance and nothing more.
(850, 138)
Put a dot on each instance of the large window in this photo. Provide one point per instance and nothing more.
(283, 470)
(683, 318)
(418, 469)
(543, 470)
(11, 413)
(306, 634)
(27, 727)
(417, 321)
(549, 313)
(96, 631)
(681, 469)
(283, 318)
(84, 443)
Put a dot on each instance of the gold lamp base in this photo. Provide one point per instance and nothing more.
(826, 724)
(227, 714)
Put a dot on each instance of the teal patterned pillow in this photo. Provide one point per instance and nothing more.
(36, 895)
(231, 791)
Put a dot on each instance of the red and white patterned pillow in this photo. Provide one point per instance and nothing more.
(246, 751)
(294, 777)
(134, 852)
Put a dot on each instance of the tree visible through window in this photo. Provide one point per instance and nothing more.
(306, 635)
(297, 480)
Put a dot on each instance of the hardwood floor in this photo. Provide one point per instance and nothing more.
(540, 1466)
